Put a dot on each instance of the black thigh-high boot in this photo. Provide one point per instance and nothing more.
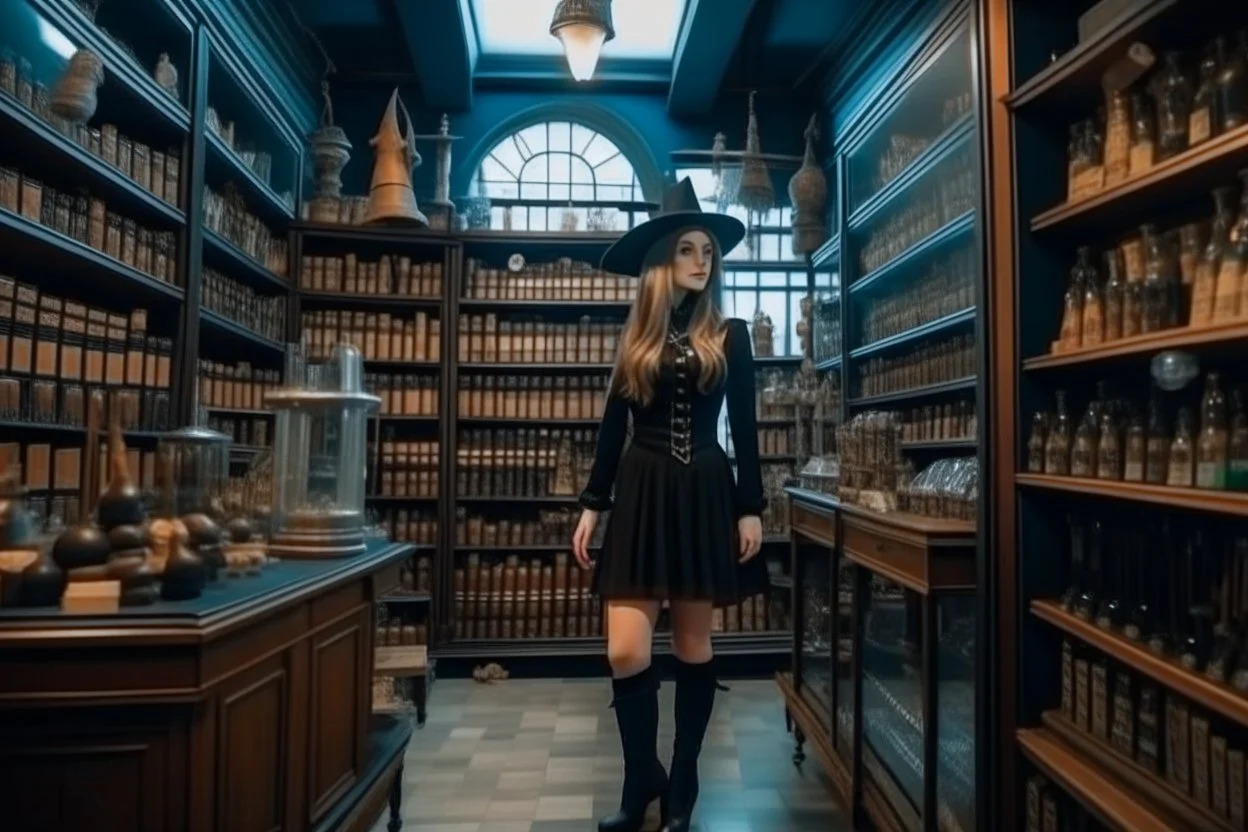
(695, 696)
(636, 704)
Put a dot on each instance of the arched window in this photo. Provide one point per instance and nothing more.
(559, 176)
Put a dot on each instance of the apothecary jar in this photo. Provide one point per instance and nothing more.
(200, 460)
(320, 453)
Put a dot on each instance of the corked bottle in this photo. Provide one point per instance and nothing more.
(1205, 284)
(122, 503)
(84, 546)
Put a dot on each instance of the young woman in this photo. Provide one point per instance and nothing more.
(682, 530)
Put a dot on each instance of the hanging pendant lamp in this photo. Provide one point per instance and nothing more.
(582, 26)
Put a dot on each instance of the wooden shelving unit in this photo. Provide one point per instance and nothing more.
(1045, 518)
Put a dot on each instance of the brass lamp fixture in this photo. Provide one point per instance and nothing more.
(582, 26)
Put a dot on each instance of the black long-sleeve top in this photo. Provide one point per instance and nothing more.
(683, 420)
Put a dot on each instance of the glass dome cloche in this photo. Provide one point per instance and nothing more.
(320, 458)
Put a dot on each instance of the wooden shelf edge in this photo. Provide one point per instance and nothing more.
(1217, 697)
(944, 234)
(937, 389)
(1214, 149)
(1168, 798)
(943, 532)
(1137, 344)
(914, 333)
(919, 167)
(1103, 796)
(1230, 503)
(1121, 30)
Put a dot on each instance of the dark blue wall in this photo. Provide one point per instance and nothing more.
(638, 122)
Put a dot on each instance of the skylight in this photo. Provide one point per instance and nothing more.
(644, 29)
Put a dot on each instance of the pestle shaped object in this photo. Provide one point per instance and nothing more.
(121, 504)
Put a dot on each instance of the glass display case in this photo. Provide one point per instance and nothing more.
(892, 685)
(955, 714)
(246, 148)
(846, 592)
(817, 635)
(934, 113)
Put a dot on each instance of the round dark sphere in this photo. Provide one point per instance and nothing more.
(82, 545)
(201, 530)
(240, 530)
(125, 538)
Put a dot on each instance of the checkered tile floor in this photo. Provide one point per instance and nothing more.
(543, 756)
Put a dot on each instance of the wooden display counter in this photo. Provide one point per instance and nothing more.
(245, 710)
(863, 702)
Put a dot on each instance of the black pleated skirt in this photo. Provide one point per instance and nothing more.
(672, 535)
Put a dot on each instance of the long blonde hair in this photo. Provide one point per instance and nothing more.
(645, 332)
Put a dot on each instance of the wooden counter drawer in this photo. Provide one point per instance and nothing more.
(907, 558)
(817, 524)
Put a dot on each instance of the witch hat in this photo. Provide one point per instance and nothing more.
(680, 210)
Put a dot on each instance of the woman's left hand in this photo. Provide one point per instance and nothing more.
(750, 532)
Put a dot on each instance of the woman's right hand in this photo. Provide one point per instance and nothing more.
(583, 534)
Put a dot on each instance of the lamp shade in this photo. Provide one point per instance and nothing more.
(582, 27)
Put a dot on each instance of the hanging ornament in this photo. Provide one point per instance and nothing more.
(755, 192)
(808, 194)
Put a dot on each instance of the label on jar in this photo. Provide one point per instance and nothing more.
(1087, 183)
(1141, 157)
(1199, 126)
(1068, 680)
(1210, 475)
(1100, 700)
(1082, 706)
(1200, 760)
(1217, 775)
(1123, 733)
(1226, 295)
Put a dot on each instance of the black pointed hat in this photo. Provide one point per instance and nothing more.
(680, 209)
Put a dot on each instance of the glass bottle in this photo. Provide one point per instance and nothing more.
(1205, 120)
(1115, 294)
(1057, 444)
(1084, 169)
(1180, 469)
(1157, 451)
(1212, 446)
(1204, 286)
(1143, 145)
(1071, 337)
(1233, 86)
(1173, 93)
(1036, 442)
(1117, 138)
(1092, 331)
(1108, 449)
(1159, 281)
(1191, 245)
(1237, 445)
(1083, 450)
(1239, 242)
(1135, 450)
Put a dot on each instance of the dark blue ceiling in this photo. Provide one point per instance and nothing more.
(722, 43)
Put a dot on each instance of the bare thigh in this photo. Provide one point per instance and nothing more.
(691, 631)
(630, 631)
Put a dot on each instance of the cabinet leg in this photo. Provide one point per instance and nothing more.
(799, 753)
(422, 702)
(396, 802)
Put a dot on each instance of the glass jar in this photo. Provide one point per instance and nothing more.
(1173, 93)
(320, 453)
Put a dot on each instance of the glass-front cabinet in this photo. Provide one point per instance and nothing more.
(885, 510)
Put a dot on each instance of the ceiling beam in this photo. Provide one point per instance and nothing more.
(441, 37)
(708, 38)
